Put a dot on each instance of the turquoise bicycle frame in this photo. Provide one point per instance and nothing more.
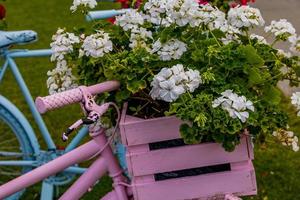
(9, 55)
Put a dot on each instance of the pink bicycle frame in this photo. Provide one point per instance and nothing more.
(106, 163)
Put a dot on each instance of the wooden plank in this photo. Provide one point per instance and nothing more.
(184, 157)
(239, 182)
(151, 130)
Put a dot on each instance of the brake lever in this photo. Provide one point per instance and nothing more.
(91, 109)
(92, 118)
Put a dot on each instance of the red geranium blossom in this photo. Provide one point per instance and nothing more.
(2, 12)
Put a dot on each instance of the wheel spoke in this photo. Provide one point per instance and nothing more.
(8, 141)
(15, 146)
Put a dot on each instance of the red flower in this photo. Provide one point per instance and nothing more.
(244, 2)
(124, 3)
(233, 5)
(203, 2)
(2, 12)
(111, 20)
(138, 3)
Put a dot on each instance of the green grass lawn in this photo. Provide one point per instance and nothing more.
(277, 168)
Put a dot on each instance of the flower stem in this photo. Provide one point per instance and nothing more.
(215, 38)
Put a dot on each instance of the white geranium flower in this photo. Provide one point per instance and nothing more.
(139, 37)
(232, 34)
(236, 106)
(287, 138)
(181, 12)
(62, 44)
(173, 49)
(156, 12)
(245, 16)
(96, 45)
(210, 16)
(85, 3)
(170, 83)
(131, 19)
(295, 46)
(260, 39)
(218, 21)
(281, 29)
(281, 52)
(60, 78)
(295, 100)
(193, 79)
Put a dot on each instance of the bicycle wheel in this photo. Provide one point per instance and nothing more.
(15, 143)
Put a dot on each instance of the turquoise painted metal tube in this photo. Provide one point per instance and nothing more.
(104, 14)
(77, 139)
(30, 102)
(75, 170)
(18, 163)
(29, 53)
(47, 191)
(3, 70)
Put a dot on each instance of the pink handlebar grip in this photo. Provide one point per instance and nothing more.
(61, 99)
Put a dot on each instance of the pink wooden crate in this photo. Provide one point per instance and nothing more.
(147, 167)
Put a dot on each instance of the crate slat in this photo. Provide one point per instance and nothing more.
(184, 157)
(239, 182)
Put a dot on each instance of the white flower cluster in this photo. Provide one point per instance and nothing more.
(156, 12)
(170, 83)
(172, 49)
(235, 105)
(231, 35)
(210, 16)
(138, 38)
(131, 19)
(287, 138)
(96, 45)
(60, 78)
(62, 44)
(85, 3)
(245, 16)
(295, 100)
(260, 39)
(182, 12)
(281, 28)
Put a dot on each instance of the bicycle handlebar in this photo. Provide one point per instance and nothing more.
(104, 14)
(61, 99)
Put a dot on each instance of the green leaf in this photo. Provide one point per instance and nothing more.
(272, 95)
(136, 85)
(254, 76)
(249, 53)
(297, 71)
(200, 119)
(122, 95)
(198, 55)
